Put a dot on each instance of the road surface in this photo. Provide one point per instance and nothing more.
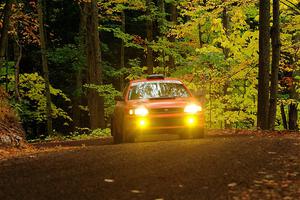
(212, 168)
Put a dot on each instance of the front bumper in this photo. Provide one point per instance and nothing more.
(166, 122)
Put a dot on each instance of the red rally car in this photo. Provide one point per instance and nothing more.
(156, 105)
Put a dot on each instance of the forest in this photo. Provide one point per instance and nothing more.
(62, 62)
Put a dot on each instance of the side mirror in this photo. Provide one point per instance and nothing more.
(119, 98)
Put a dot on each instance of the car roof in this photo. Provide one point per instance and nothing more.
(155, 79)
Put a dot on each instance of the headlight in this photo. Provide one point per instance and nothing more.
(141, 111)
(192, 108)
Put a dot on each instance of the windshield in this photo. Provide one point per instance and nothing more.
(157, 90)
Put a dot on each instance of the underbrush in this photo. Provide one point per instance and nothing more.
(79, 134)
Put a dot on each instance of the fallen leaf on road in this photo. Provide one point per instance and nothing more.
(270, 183)
(257, 182)
(292, 174)
(269, 176)
(262, 172)
(136, 191)
(109, 180)
(232, 184)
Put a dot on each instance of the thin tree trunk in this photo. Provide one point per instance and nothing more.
(149, 25)
(79, 75)
(172, 39)
(17, 70)
(77, 100)
(161, 24)
(293, 117)
(225, 21)
(200, 35)
(275, 34)
(161, 21)
(292, 111)
(4, 31)
(264, 65)
(45, 66)
(122, 55)
(283, 116)
(93, 52)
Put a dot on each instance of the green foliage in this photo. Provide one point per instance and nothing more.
(129, 40)
(7, 69)
(227, 80)
(32, 106)
(69, 55)
(219, 61)
(136, 73)
(78, 134)
(108, 92)
(97, 133)
(131, 72)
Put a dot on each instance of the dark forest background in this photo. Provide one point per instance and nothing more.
(64, 61)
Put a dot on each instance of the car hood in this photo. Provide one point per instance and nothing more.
(163, 103)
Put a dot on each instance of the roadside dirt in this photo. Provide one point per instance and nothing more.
(52, 146)
(29, 151)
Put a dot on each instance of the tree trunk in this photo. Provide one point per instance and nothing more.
(283, 116)
(94, 71)
(149, 25)
(77, 100)
(161, 21)
(172, 39)
(293, 112)
(122, 54)
(293, 117)
(225, 22)
(264, 65)
(275, 35)
(161, 25)
(45, 66)
(200, 35)
(18, 55)
(4, 31)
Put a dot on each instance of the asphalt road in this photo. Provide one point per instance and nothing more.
(212, 168)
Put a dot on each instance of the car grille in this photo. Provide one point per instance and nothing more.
(165, 110)
(174, 121)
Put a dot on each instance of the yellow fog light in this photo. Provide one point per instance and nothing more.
(142, 123)
(191, 121)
